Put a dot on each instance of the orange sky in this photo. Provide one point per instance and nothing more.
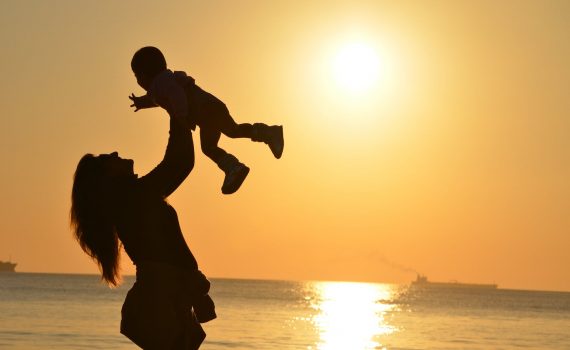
(454, 162)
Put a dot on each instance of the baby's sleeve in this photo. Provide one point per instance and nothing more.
(171, 96)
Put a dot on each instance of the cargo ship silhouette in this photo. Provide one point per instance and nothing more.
(7, 266)
(422, 281)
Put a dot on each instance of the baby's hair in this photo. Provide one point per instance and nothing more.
(148, 61)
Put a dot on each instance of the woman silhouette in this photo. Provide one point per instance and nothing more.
(112, 206)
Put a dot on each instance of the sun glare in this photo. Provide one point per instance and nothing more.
(358, 81)
(356, 67)
(352, 315)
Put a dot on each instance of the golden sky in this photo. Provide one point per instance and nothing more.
(427, 136)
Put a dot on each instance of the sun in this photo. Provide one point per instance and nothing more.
(356, 67)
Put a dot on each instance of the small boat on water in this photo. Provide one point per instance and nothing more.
(7, 266)
(422, 281)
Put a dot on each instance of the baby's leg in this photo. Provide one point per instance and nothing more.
(271, 135)
(223, 121)
(209, 142)
(235, 171)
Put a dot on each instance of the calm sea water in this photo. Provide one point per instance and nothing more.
(48, 311)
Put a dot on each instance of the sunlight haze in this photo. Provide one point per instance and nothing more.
(420, 136)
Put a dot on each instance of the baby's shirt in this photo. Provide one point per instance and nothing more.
(168, 91)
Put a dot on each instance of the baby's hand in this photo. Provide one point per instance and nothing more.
(140, 102)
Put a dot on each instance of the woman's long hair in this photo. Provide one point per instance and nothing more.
(92, 215)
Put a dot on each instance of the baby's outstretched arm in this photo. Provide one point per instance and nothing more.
(141, 102)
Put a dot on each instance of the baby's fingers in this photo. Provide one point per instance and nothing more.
(135, 106)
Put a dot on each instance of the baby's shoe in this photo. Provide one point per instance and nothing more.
(275, 140)
(235, 175)
(271, 135)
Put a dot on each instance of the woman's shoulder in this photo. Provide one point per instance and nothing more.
(141, 192)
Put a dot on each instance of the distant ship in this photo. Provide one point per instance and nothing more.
(7, 266)
(422, 281)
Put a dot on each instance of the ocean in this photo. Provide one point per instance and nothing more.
(52, 311)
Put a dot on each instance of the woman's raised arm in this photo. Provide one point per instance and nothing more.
(177, 163)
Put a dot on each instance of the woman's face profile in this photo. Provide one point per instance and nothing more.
(116, 166)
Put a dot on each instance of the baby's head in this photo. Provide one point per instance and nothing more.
(147, 63)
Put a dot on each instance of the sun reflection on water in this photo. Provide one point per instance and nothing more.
(351, 315)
